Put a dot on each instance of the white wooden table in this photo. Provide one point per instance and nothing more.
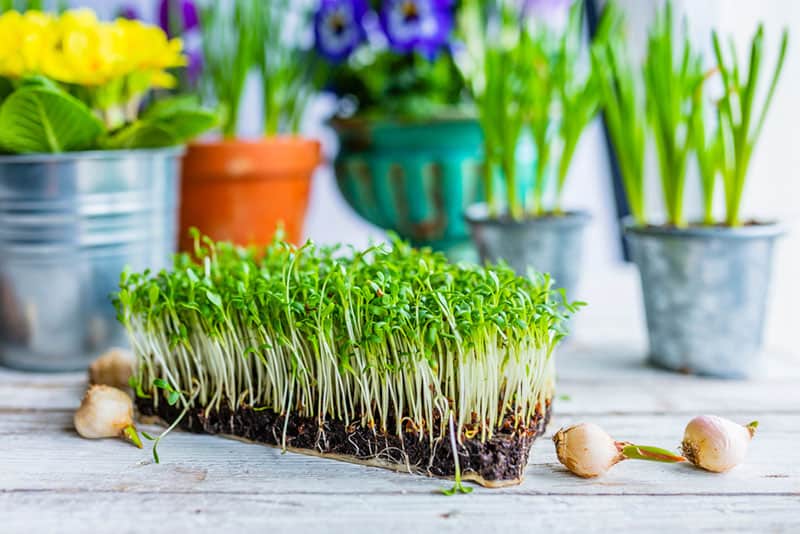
(52, 480)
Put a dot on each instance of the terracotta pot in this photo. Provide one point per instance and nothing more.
(240, 191)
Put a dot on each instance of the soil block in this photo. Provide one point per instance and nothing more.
(499, 461)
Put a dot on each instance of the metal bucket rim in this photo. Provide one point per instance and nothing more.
(768, 229)
(12, 159)
(477, 214)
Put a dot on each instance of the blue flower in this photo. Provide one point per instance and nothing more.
(338, 28)
(417, 25)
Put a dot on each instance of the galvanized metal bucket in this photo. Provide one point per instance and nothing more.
(552, 244)
(69, 224)
(705, 294)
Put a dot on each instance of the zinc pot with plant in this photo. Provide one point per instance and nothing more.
(88, 177)
(241, 190)
(705, 281)
(530, 87)
(410, 147)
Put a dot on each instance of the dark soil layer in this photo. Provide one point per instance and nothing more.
(498, 461)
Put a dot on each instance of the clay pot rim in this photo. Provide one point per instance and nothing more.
(296, 140)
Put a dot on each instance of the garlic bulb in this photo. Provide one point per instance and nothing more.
(106, 412)
(716, 444)
(114, 368)
(588, 451)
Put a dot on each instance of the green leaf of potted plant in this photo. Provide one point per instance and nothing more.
(410, 147)
(531, 89)
(705, 282)
(88, 177)
(241, 189)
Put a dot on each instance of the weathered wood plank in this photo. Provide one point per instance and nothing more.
(42, 452)
(151, 512)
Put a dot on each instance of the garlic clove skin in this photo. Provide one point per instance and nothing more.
(716, 444)
(106, 412)
(114, 368)
(586, 450)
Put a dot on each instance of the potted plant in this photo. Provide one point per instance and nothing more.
(530, 85)
(88, 177)
(390, 357)
(705, 282)
(410, 147)
(237, 189)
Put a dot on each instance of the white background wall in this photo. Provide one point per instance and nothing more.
(774, 185)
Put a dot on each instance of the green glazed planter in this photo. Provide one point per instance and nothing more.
(414, 178)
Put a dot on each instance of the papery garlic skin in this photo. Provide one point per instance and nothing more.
(716, 444)
(105, 412)
(113, 368)
(586, 450)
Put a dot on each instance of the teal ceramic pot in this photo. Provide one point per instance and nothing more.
(414, 178)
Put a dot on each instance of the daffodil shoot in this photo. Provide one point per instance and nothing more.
(359, 354)
(716, 444)
(588, 451)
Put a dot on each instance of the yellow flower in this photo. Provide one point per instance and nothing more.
(76, 48)
(29, 39)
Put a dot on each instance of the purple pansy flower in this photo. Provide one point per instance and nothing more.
(177, 16)
(421, 25)
(338, 27)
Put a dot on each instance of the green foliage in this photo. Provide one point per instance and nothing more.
(382, 336)
(708, 151)
(624, 108)
(579, 96)
(246, 35)
(229, 45)
(673, 75)
(169, 122)
(38, 115)
(42, 118)
(679, 114)
(739, 122)
(38, 5)
(529, 81)
(6, 88)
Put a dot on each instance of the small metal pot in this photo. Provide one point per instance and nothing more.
(705, 294)
(69, 224)
(551, 244)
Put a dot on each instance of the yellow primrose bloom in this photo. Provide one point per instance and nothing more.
(28, 40)
(77, 48)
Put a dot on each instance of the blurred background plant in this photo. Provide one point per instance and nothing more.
(526, 68)
(244, 36)
(669, 94)
(72, 82)
(392, 58)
